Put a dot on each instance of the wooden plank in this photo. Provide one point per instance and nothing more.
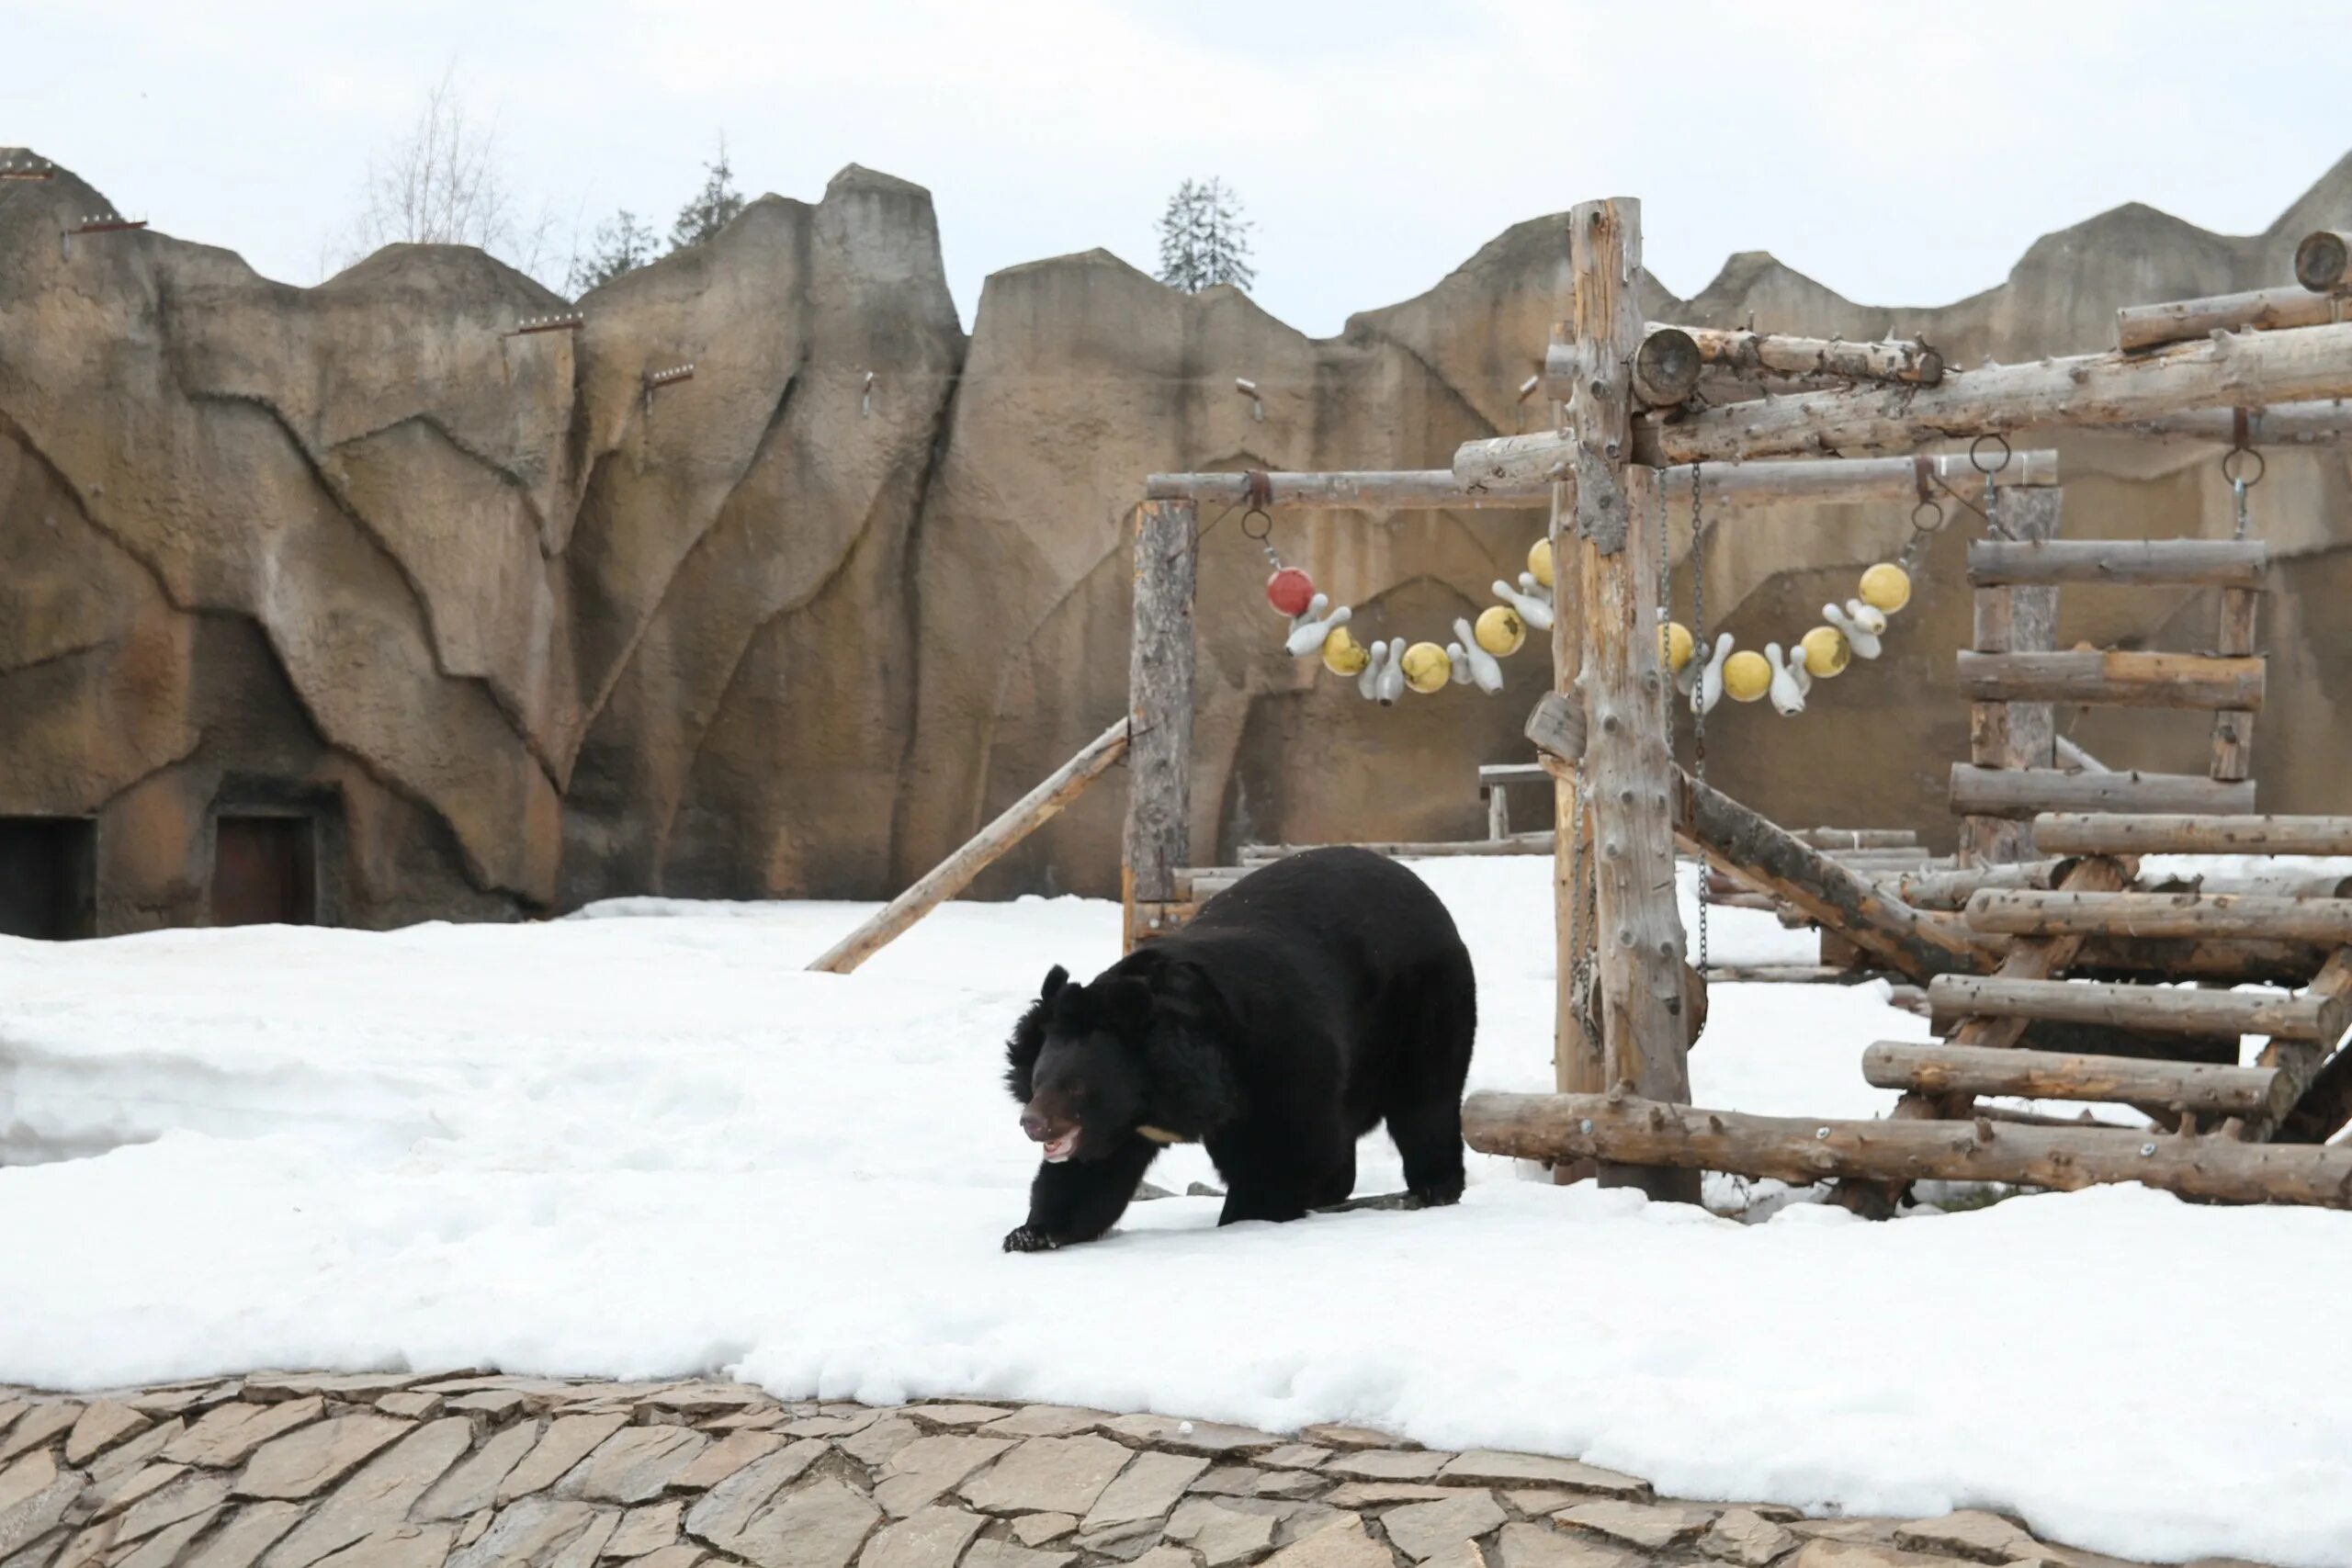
(1802, 1150)
(1992, 792)
(1157, 834)
(1760, 853)
(2173, 1009)
(1517, 844)
(1492, 773)
(2082, 390)
(1834, 839)
(2068, 833)
(2039, 1074)
(2230, 563)
(1406, 490)
(1498, 813)
(1514, 464)
(2234, 728)
(954, 874)
(1645, 1004)
(2256, 310)
(2113, 679)
(2226, 915)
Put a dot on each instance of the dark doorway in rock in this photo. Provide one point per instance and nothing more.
(48, 877)
(264, 870)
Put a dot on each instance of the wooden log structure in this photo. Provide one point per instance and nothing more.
(1949, 891)
(1804, 1150)
(2324, 921)
(2162, 1008)
(2009, 734)
(1512, 463)
(1645, 1005)
(2081, 391)
(1407, 490)
(2323, 261)
(956, 873)
(2068, 833)
(2074, 759)
(1767, 354)
(2026, 793)
(2114, 679)
(2142, 327)
(2234, 728)
(2220, 563)
(2238, 963)
(1158, 835)
(1253, 855)
(2039, 1075)
(2315, 422)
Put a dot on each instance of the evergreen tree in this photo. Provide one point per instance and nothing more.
(712, 207)
(622, 244)
(1204, 239)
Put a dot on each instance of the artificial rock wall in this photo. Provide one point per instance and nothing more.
(525, 634)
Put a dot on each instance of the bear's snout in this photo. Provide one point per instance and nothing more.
(1034, 1123)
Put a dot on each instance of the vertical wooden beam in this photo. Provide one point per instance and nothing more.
(1628, 767)
(1577, 1067)
(2013, 735)
(2234, 729)
(1160, 710)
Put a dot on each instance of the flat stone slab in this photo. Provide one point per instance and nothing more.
(228, 1434)
(1486, 1467)
(1387, 1464)
(1422, 1530)
(1653, 1526)
(931, 1538)
(1048, 1475)
(305, 1462)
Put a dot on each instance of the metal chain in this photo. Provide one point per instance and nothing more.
(1698, 644)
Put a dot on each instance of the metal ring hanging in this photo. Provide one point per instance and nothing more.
(1935, 511)
(1265, 525)
(2233, 467)
(1978, 463)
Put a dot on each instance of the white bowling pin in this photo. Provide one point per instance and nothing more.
(1787, 696)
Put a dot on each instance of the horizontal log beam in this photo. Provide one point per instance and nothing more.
(1402, 490)
(1800, 1150)
(2226, 563)
(2072, 833)
(1910, 363)
(2139, 327)
(1951, 890)
(2041, 1075)
(2237, 963)
(2083, 390)
(1520, 464)
(2028, 792)
(1254, 855)
(2316, 422)
(2114, 679)
(2326, 921)
(2169, 1009)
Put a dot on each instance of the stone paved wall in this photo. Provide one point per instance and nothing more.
(417, 1471)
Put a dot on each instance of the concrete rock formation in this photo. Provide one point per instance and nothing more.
(355, 595)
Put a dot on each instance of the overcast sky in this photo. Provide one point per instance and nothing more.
(1903, 154)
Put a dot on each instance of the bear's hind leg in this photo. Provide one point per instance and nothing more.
(1339, 1184)
(1428, 1133)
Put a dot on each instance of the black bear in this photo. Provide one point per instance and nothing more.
(1302, 1006)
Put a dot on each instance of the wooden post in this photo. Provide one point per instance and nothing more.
(1577, 1067)
(2234, 728)
(2003, 734)
(954, 874)
(1628, 767)
(1160, 710)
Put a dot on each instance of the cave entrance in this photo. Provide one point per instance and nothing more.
(48, 877)
(265, 869)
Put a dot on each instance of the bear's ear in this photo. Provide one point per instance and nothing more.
(1055, 978)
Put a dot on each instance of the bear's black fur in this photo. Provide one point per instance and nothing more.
(1301, 1008)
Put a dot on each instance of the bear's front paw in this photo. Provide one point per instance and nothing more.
(1027, 1239)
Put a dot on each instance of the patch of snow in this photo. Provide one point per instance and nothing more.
(648, 1142)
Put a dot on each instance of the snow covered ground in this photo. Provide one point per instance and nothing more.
(647, 1144)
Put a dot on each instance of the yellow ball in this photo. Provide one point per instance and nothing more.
(1826, 651)
(1539, 561)
(1674, 645)
(1427, 667)
(1886, 587)
(1500, 631)
(1746, 676)
(1343, 654)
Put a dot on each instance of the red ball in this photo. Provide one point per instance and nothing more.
(1290, 591)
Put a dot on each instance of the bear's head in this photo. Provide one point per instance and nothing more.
(1092, 1064)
